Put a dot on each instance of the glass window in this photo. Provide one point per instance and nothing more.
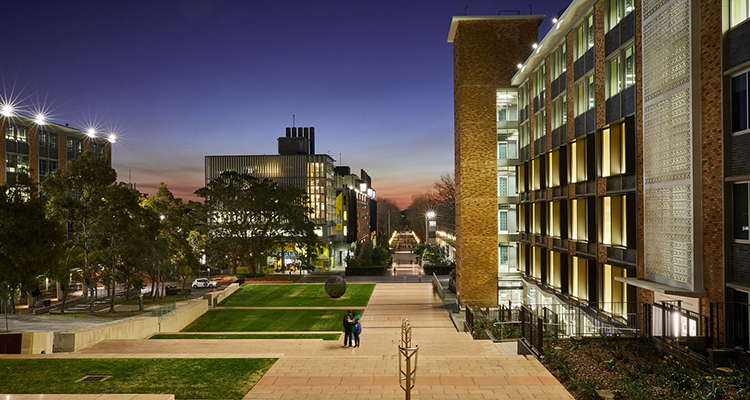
(591, 31)
(42, 139)
(739, 12)
(52, 140)
(739, 103)
(591, 92)
(581, 99)
(581, 48)
(21, 134)
(614, 77)
(585, 37)
(629, 67)
(740, 211)
(614, 14)
(10, 131)
(540, 124)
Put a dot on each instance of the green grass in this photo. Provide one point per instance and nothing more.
(297, 295)
(195, 378)
(324, 336)
(268, 321)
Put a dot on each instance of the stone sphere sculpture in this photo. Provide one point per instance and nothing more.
(335, 286)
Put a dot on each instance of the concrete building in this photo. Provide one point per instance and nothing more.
(356, 208)
(39, 147)
(629, 184)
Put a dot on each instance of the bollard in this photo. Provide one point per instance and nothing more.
(140, 302)
(215, 302)
(407, 366)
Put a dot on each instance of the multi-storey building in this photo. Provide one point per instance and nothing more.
(298, 166)
(630, 121)
(39, 147)
(356, 212)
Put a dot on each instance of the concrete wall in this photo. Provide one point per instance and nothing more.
(139, 327)
(36, 342)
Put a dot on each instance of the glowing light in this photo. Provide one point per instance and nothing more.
(519, 65)
(430, 214)
(534, 46)
(112, 138)
(91, 132)
(40, 119)
(554, 20)
(7, 110)
(161, 217)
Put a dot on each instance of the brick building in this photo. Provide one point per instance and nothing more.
(617, 163)
(38, 147)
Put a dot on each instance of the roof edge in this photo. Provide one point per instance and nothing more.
(457, 19)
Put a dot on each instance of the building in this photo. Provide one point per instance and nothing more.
(617, 162)
(356, 212)
(38, 147)
(340, 218)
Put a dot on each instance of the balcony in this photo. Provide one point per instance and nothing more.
(585, 188)
(622, 257)
(540, 194)
(525, 197)
(508, 237)
(560, 192)
(586, 249)
(507, 162)
(560, 244)
(540, 241)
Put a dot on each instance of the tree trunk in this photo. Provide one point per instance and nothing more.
(64, 299)
(112, 278)
(13, 301)
(153, 281)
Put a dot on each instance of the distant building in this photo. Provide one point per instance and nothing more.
(357, 210)
(298, 166)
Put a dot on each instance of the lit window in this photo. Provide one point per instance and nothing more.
(739, 12)
(614, 86)
(629, 67)
(616, 11)
(585, 37)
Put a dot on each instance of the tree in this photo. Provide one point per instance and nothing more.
(248, 218)
(420, 205)
(30, 243)
(389, 220)
(445, 193)
(76, 196)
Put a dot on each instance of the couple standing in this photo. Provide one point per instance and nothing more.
(352, 329)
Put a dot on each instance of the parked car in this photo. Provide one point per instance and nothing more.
(175, 290)
(204, 283)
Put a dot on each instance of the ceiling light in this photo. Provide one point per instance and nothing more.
(40, 119)
(534, 46)
(519, 65)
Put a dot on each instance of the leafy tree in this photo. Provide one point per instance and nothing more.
(389, 220)
(248, 218)
(76, 196)
(30, 243)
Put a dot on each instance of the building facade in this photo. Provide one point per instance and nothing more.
(38, 147)
(631, 161)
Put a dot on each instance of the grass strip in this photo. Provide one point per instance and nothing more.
(298, 295)
(269, 321)
(186, 378)
(324, 336)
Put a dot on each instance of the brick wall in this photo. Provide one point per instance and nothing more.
(485, 56)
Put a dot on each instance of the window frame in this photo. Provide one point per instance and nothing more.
(746, 74)
(743, 18)
(734, 238)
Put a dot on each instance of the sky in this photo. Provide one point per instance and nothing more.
(182, 79)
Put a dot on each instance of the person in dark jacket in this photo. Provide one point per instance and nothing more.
(348, 329)
(355, 331)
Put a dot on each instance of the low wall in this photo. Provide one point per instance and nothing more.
(187, 312)
(36, 342)
(130, 328)
(140, 327)
(220, 295)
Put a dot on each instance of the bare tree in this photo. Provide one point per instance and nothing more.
(445, 191)
(389, 220)
(421, 204)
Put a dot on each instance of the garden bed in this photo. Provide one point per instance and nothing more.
(633, 368)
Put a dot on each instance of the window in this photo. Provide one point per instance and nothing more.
(536, 173)
(585, 99)
(621, 69)
(579, 282)
(740, 102)
(613, 86)
(553, 168)
(585, 37)
(69, 144)
(523, 100)
(616, 11)
(579, 220)
(525, 135)
(578, 161)
(741, 202)
(614, 293)
(555, 222)
(739, 12)
(540, 83)
(540, 124)
(42, 139)
(629, 67)
(559, 112)
(613, 150)
(16, 163)
(52, 139)
(613, 221)
(559, 61)
(555, 268)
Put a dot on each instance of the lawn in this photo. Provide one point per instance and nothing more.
(148, 302)
(324, 336)
(297, 295)
(268, 321)
(196, 378)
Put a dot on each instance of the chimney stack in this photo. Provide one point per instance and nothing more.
(288, 132)
(312, 140)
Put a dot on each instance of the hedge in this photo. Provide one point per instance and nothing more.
(438, 269)
(366, 271)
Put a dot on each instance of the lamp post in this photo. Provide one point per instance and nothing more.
(430, 228)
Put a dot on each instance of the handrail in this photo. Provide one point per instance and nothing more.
(438, 287)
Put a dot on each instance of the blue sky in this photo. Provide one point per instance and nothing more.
(183, 79)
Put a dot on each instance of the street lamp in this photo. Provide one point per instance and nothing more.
(430, 227)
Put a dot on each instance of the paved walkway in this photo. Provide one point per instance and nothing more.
(451, 364)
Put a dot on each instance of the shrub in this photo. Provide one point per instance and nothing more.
(439, 269)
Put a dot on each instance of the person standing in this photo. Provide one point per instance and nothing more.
(348, 329)
(356, 329)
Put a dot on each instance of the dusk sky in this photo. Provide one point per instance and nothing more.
(184, 79)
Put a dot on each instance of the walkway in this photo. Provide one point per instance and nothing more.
(451, 364)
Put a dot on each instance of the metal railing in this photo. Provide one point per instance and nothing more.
(438, 287)
(736, 328)
(164, 311)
